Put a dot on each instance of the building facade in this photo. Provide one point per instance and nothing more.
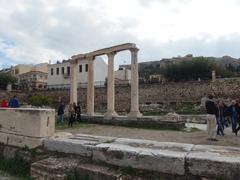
(33, 80)
(24, 68)
(59, 74)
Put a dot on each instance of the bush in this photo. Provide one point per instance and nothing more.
(198, 67)
(40, 100)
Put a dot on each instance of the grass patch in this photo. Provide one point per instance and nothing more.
(16, 166)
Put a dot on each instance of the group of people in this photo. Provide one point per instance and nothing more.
(222, 116)
(12, 103)
(74, 111)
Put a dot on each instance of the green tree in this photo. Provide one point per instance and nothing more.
(5, 79)
(198, 67)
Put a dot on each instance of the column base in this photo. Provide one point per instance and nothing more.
(134, 114)
(110, 114)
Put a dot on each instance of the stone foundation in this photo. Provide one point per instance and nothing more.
(182, 161)
(144, 121)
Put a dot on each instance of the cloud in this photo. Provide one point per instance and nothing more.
(36, 31)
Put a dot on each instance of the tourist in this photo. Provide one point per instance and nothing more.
(61, 113)
(234, 110)
(71, 111)
(13, 103)
(4, 103)
(211, 118)
(220, 118)
(78, 112)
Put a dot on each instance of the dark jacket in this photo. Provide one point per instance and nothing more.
(60, 109)
(211, 107)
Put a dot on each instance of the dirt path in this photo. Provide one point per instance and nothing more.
(198, 137)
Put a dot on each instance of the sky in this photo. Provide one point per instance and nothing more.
(35, 31)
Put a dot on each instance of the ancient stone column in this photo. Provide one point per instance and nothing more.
(134, 111)
(110, 88)
(90, 87)
(73, 88)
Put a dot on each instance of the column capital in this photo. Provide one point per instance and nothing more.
(132, 50)
(111, 53)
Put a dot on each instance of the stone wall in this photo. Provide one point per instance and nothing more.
(170, 93)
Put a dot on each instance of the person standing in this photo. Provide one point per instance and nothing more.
(220, 118)
(71, 111)
(211, 118)
(14, 103)
(4, 103)
(234, 110)
(61, 113)
(78, 111)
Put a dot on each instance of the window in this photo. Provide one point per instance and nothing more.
(62, 70)
(80, 68)
(86, 67)
(57, 71)
(51, 71)
(68, 70)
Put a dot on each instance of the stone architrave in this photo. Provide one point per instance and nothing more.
(73, 88)
(90, 87)
(134, 111)
(111, 88)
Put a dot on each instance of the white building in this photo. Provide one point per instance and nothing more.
(59, 74)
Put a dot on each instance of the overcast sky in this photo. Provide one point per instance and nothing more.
(34, 31)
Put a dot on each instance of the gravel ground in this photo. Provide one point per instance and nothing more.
(194, 137)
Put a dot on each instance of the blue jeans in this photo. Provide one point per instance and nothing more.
(220, 126)
(61, 118)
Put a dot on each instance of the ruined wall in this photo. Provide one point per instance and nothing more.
(148, 93)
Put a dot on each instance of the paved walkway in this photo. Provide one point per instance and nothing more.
(197, 137)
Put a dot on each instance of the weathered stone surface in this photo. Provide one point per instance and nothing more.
(214, 161)
(142, 154)
(122, 152)
(78, 144)
(26, 126)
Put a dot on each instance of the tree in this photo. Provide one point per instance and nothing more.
(5, 79)
(198, 67)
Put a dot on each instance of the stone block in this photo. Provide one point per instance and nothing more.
(26, 126)
(145, 155)
(214, 162)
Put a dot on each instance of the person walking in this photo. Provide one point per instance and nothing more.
(71, 111)
(61, 113)
(211, 118)
(78, 112)
(234, 111)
